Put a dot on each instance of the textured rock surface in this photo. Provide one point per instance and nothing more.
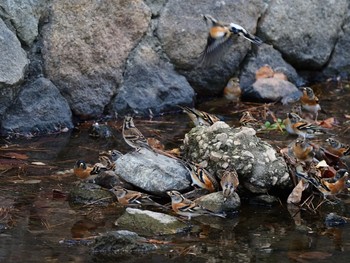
(151, 83)
(305, 32)
(222, 147)
(121, 243)
(153, 173)
(13, 60)
(150, 223)
(266, 55)
(24, 17)
(38, 108)
(183, 35)
(85, 48)
(215, 202)
(271, 89)
(85, 193)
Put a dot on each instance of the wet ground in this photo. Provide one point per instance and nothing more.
(40, 225)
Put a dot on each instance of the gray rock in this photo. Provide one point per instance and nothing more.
(256, 162)
(305, 32)
(183, 35)
(215, 202)
(86, 45)
(156, 6)
(121, 243)
(151, 83)
(150, 223)
(86, 193)
(7, 95)
(153, 173)
(24, 16)
(339, 63)
(38, 108)
(13, 60)
(266, 55)
(271, 89)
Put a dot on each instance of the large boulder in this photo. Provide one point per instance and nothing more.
(183, 35)
(305, 32)
(150, 83)
(221, 147)
(86, 44)
(24, 17)
(38, 108)
(154, 173)
(13, 64)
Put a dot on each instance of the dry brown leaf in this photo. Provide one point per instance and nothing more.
(155, 143)
(264, 72)
(13, 155)
(327, 123)
(296, 194)
(280, 75)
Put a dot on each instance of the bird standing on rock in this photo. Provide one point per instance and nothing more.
(188, 208)
(229, 182)
(221, 37)
(83, 171)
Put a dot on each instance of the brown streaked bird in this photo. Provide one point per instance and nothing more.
(301, 150)
(298, 126)
(337, 148)
(106, 162)
(202, 177)
(185, 207)
(83, 171)
(129, 197)
(221, 36)
(229, 182)
(132, 136)
(310, 102)
(200, 118)
(232, 90)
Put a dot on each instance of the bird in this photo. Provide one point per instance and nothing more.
(202, 177)
(309, 101)
(302, 150)
(296, 125)
(221, 36)
(106, 162)
(232, 90)
(129, 197)
(322, 185)
(337, 148)
(229, 182)
(200, 118)
(83, 171)
(132, 136)
(185, 207)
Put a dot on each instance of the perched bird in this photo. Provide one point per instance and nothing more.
(322, 185)
(301, 150)
(129, 197)
(202, 178)
(309, 101)
(106, 162)
(337, 148)
(298, 126)
(232, 90)
(200, 118)
(229, 182)
(132, 136)
(221, 36)
(188, 208)
(83, 171)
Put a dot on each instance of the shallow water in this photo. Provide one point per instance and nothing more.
(44, 227)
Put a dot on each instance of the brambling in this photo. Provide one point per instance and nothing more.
(229, 182)
(83, 171)
(337, 148)
(298, 126)
(200, 118)
(202, 178)
(129, 197)
(106, 162)
(232, 90)
(186, 207)
(221, 36)
(309, 101)
(132, 136)
(302, 150)
(325, 187)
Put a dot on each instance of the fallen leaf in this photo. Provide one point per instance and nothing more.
(295, 196)
(328, 123)
(13, 155)
(264, 72)
(38, 163)
(314, 255)
(33, 181)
